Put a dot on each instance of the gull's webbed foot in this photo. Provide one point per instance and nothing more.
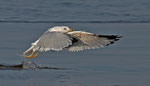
(31, 55)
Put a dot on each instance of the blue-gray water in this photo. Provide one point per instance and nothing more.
(125, 63)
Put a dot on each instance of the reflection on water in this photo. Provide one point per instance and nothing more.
(26, 65)
(5, 67)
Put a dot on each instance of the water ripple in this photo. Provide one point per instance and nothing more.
(27, 65)
(119, 21)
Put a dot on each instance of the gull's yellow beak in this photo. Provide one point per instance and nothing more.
(70, 30)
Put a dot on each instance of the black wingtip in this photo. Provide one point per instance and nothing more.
(117, 37)
(113, 38)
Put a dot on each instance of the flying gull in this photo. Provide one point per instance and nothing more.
(62, 37)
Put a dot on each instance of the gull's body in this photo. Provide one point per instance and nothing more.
(61, 37)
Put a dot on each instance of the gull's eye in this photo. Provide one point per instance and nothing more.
(65, 28)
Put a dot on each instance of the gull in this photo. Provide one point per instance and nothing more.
(62, 37)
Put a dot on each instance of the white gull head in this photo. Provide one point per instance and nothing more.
(62, 29)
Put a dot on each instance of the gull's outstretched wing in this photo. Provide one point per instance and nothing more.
(53, 41)
(88, 40)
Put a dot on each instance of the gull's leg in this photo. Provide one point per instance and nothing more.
(33, 56)
(29, 56)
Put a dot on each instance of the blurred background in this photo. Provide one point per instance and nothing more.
(125, 63)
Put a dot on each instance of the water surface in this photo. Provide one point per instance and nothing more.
(125, 63)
